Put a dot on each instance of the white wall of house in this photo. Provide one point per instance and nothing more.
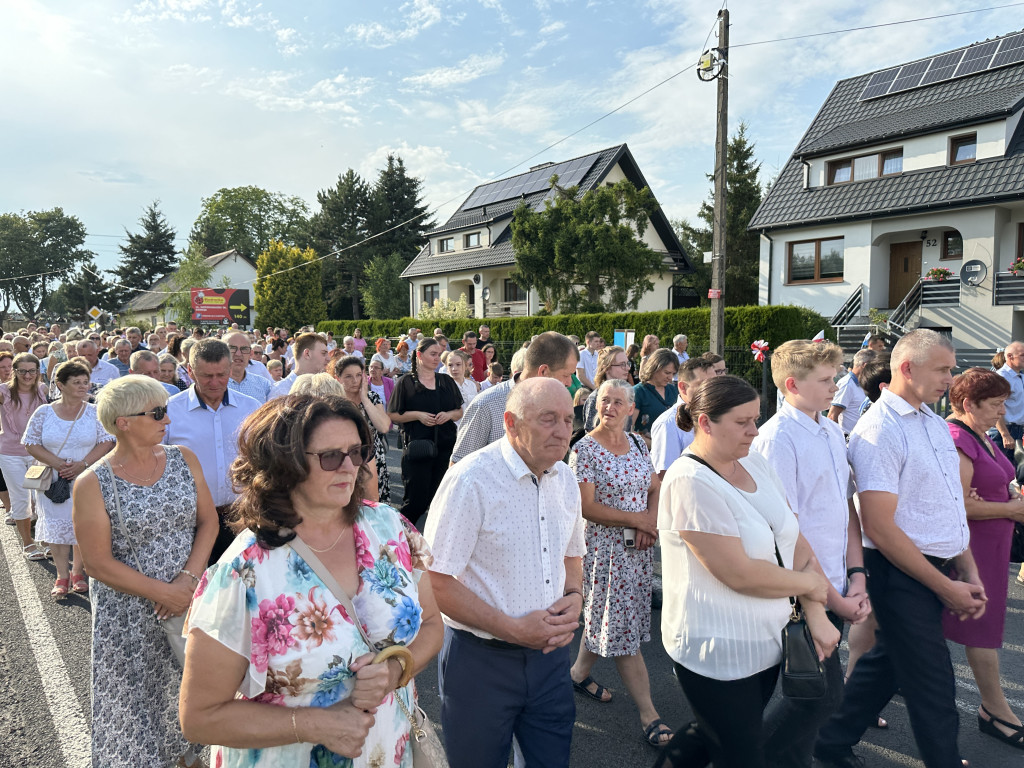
(239, 274)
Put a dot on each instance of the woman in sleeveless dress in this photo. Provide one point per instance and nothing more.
(145, 523)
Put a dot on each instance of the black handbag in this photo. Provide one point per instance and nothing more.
(422, 450)
(59, 490)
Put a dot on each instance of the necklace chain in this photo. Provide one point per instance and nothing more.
(135, 478)
(321, 551)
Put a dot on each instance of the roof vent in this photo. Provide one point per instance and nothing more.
(542, 165)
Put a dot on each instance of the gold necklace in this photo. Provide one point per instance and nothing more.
(136, 479)
(321, 551)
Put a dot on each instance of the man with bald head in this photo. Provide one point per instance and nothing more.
(102, 371)
(506, 533)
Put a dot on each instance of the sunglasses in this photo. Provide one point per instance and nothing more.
(331, 460)
(157, 413)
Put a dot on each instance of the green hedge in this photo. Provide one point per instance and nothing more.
(775, 324)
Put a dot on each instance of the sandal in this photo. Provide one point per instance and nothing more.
(79, 584)
(33, 552)
(60, 589)
(583, 686)
(988, 727)
(657, 734)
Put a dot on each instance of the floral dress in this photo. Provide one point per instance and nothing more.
(269, 606)
(380, 444)
(616, 580)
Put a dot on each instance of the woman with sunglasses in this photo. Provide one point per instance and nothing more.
(145, 506)
(267, 623)
(19, 397)
(67, 437)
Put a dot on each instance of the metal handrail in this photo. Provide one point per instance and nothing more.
(900, 317)
(851, 307)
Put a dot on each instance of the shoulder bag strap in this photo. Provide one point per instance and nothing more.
(117, 509)
(975, 435)
(303, 550)
(70, 429)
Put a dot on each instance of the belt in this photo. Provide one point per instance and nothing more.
(944, 564)
(488, 641)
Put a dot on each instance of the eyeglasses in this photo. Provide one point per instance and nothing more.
(157, 413)
(243, 350)
(26, 371)
(619, 365)
(331, 460)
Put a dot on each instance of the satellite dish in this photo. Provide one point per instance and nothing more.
(973, 272)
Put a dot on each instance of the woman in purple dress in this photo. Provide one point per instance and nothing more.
(978, 397)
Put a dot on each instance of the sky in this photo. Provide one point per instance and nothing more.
(109, 106)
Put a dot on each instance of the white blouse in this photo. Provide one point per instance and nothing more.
(706, 626)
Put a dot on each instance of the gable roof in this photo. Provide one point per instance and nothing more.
(847, 123)
(158, 293)
(473, 212)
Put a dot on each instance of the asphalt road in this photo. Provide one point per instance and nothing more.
(44, 686)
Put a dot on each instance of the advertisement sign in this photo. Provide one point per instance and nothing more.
(220, 305)
(623, 337)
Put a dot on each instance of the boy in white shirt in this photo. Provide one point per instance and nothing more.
(808, 452)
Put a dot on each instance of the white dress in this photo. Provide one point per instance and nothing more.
(47, 429)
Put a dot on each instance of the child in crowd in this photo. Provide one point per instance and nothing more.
(494, 375)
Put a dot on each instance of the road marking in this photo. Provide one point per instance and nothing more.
(68, 718)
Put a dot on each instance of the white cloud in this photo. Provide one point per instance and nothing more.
(279, 91)
(289, 41)
(419, 15)
(552, 28)
(466, 71)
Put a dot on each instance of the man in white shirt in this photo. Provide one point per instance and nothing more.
(506, 533)
(587, 368)
(102, 371)
(1011, 425)
(206, 418)
(845, 407)
(808, 453)
(916, 550)
(310, 357)
(668, 441)
(680, 342)
(242, 378)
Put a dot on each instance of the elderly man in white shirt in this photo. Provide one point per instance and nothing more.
(206, 418)
(668, 441)
(506, 532)
(102, 371)
(916, 552)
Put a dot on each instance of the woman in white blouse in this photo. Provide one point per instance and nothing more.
(721, 515)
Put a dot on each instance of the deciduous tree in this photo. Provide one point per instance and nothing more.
(193, 272)
(247, 219)
(288, 284)
(74, 298)
(147, 256)
(586, 254)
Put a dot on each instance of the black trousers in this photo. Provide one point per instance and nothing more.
(910, 655)
(729, 716)
(421, 479)
(224, 534)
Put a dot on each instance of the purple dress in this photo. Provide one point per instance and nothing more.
(990, 544)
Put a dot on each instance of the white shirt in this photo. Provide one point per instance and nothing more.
(810, 458)
(283, 387)
(103, 373)
(391, 364)
(504, 533)
(588, 362)
(257, 368)
(706, 626)
(1015, 402)
(469, 391)
(668, 441)
(910, 453)
(212, 435)
(849, 397)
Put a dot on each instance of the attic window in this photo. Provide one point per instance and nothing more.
(888, 163)
(446, 245)
(963, 149)
(472, 240)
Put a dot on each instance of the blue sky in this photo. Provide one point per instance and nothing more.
(110, 105)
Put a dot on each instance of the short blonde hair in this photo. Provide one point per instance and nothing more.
(799, 357)
(126, 396)
(318, 385)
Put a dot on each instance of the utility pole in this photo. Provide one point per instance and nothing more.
(718, 262)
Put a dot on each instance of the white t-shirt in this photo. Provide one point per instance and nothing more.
(706, 626)
(588, 362)
(849, 397)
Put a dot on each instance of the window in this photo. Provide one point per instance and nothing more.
(446, 245)
(1020, 240)
(871, 166)
(513, 291)
(963, 149)
(952, 245)
(816, 261)
(431, 293)
(472, 240)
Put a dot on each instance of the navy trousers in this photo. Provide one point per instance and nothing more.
(491, 692)
(910, 655)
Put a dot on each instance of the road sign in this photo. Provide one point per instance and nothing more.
(95, 313)
(714, 293)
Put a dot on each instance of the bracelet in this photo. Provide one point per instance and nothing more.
(191, 575)
(573, 592)
(850, 572)
(295, 730)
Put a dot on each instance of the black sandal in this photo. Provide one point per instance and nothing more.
(655, 730)
(581, 687)
(988, 727)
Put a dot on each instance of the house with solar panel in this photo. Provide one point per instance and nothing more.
(472, 253)
(910, 169)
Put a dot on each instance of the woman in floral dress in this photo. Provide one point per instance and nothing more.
(264, 625)
(619, 490)
(348, 370)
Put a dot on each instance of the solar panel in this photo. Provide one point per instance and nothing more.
(1011, 51)
(942, 67)
(976, 58)
(910, 76)
(879, 83)
(570, 173)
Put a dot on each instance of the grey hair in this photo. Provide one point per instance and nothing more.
(122, 343)
(348, 339)
(610, 384)
(679, 337)
(167, 357)
(863, 357)
(917, 345)
(133, 329)
(143, 355)
(209, 351)
(83, 343)
(317, 384)
(518, 361)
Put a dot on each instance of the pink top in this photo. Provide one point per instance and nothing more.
(14, 420)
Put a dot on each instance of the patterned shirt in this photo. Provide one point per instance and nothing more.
(253, 385)
(483, 421)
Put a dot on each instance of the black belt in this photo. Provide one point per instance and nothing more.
(944, 564)
(489, 642)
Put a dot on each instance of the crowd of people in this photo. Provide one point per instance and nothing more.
(232, 488)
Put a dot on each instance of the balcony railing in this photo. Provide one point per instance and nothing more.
(1009, 288)
(925, 293)
(507, 309)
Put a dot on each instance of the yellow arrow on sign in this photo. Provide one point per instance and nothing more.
(238, 306)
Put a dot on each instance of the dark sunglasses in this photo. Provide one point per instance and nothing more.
(157, 413)
(331, 460)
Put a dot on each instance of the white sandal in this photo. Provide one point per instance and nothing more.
(33, 552)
